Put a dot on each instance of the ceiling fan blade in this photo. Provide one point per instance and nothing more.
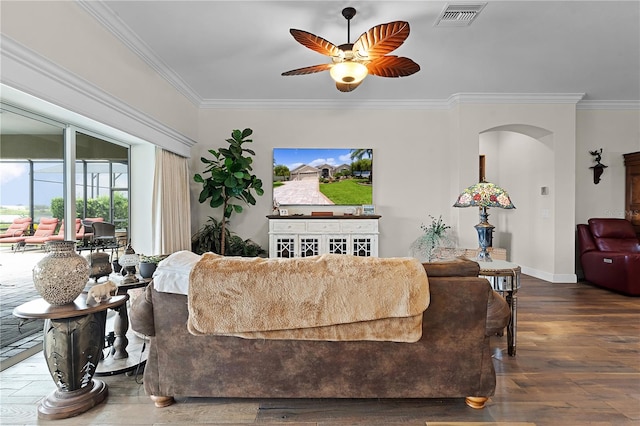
(380, 40)
(315, 43)
(345, 87)
(309, 70)
(392, 66)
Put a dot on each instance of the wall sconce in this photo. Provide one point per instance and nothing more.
(598, 169)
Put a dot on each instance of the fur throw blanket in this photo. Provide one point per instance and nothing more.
(326, 297)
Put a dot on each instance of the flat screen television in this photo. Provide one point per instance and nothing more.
(322, 176)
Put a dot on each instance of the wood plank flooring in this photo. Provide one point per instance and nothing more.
(577, 363)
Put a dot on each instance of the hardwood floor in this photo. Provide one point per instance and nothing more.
(577, 363)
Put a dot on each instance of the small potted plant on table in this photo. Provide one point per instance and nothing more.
(433, 244)
(148, 264)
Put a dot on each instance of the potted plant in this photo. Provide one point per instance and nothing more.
(209, 239)
(229, 179)
(425, 248)
(148, 264)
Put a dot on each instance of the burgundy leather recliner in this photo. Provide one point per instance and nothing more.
(610, 255)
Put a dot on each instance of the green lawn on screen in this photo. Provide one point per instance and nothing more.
(348, 191)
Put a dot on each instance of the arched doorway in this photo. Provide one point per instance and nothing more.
(520, 158)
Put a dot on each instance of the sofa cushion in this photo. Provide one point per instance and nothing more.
(141, 313)
(458, 267)
(172, 273)
(615, 245)
(614, 235)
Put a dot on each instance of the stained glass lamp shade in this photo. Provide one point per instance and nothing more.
(484, 195)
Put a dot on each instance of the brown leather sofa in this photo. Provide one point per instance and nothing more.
(451, 360)
(610, 254)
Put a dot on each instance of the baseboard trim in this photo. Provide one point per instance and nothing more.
(546, 276)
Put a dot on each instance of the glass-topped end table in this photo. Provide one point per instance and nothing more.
(505, 278)
(73, 342)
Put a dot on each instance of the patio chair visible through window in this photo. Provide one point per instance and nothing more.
(46, 228)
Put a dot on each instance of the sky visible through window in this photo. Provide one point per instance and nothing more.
(48, 182)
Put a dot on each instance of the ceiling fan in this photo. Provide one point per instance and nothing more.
(352, 62)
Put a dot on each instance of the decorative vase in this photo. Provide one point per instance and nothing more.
(147, 269)
(62, 274)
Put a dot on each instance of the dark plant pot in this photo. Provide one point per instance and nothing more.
(116, 266)
(147, 269)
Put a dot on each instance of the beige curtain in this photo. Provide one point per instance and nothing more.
(171, 218)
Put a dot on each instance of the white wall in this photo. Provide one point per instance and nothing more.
(557, 119)
(423, 159)
(409, 148)
(143, 158)
(618, 133)
(522, 165)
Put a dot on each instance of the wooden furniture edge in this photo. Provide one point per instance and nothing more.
(476, 402)
(162, 401)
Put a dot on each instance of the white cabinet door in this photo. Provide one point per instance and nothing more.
(309, 245)
(282, 246)
(337, 244)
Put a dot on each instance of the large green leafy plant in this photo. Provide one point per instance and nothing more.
(230, 179)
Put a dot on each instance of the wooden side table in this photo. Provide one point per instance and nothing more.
(123, 358)
(505, 278)
(73, 342)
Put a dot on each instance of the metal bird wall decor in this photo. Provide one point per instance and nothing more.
(598, 169)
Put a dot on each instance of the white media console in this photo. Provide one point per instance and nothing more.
(303, 236)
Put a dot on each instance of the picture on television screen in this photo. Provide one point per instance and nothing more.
(323, 176)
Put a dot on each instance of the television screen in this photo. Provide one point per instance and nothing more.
(323, 176)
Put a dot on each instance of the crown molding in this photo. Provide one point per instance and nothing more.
(323, 104)
(107, 18)
(438, 104)
(29, 72)
(609, 105)
(515, 98)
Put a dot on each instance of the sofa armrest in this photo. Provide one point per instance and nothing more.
(498, 313)
(141, 313)
(614, 270)
(458, 267)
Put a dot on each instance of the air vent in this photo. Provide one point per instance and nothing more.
(459, 15)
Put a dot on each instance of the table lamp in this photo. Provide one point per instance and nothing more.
(129, 260)
(484, 195)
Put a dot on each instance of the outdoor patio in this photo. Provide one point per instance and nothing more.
(17, 341)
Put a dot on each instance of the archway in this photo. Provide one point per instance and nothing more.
(520, 158)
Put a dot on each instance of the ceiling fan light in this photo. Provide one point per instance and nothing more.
(348, 72)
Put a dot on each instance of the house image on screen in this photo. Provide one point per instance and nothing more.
(326, 171)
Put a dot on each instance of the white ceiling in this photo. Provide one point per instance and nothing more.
(236, 50)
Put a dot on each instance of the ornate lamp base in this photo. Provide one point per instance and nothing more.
(485, 236)
(130, 277)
